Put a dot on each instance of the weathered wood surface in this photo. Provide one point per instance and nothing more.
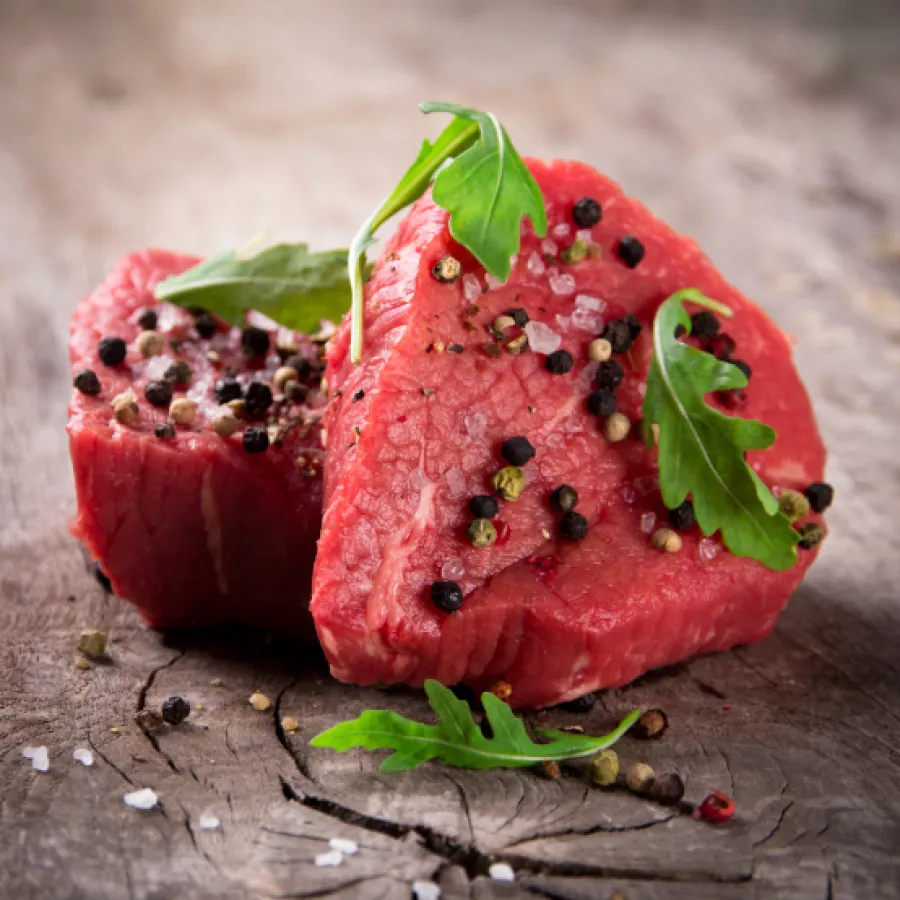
(194, 125)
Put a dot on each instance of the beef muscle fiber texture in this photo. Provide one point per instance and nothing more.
(192, 529)
(550, 617)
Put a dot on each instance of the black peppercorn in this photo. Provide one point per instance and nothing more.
(227, 389)
(621, 333)
(164, 430)
(682, 517)
(519, 316)
(583, 704)
(704, 325)
(256, 440)
(303, 367)
(255, 341)
(101, 577)
(559, 362)
(743, 367)
(148, 319)
(609, 374)
(587, 212)
(573, 526)
(484, 506)
(87, 382)
(258, 397)
(175, 710)
(631, 251)
(447, 596)
(666, 790)
(820, 496)
(602, 402)
(359, 395)
(112, 351)
(811, 535)
(158, 393)
(205, 325)
(517, 450)
(179, 372)
(564, 498)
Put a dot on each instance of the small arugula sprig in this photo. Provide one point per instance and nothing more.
(486, 188)
(457, 740)
(701, 450)
(285, 282)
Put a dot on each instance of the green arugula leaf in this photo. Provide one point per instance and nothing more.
(285, 282)
(701, 450)
(457, 740)
(487, 190)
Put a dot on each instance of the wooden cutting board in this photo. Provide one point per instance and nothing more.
(775, 143)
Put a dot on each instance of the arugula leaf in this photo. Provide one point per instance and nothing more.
(487, 189)
(701, 450)
(285, 282)
(457, 740)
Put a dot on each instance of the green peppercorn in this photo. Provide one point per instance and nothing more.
(794, 505)
(811, 535)
(575, 253)
(603, 769)
(509, 482)
(481, 533)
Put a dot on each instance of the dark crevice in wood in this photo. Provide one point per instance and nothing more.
(594, 829)
(142, 703)
(477, 863)
(778, 823)
(291, 751)
(110, 763)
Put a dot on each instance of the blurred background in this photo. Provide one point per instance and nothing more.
(768, 130)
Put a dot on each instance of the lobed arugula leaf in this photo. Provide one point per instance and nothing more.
(457, 740)
(485, 186)
(285, 282)
(701, 450)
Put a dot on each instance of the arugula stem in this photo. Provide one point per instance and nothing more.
(406, 194)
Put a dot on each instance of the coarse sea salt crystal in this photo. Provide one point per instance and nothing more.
(145, 798)
(501, 872)
(708, 549)
(629, 494)
(560, 231)
(258, 320)
(426, 890)
(329, 858)
(562, 284)
(541, 338)
(648, 522)
(471, 288)
(156, 366)
(40, 758)
(208, 822)
(536, 264)
(456, 481)
(586, 301)
(453, 569)
(583, 234)
(587, 320)
(84, 756)
(549, 247)
(343, 846)
(476, 422)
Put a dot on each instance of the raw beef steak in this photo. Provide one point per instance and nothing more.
(187, 524)
(417, 430)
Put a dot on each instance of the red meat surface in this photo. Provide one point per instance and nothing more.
(192, 530)
(552, 619)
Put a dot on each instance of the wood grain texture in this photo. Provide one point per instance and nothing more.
(771, 137)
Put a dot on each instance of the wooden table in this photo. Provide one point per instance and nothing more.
(774, 140)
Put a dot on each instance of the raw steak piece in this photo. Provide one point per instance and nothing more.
(551, 618)
(192, 529)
